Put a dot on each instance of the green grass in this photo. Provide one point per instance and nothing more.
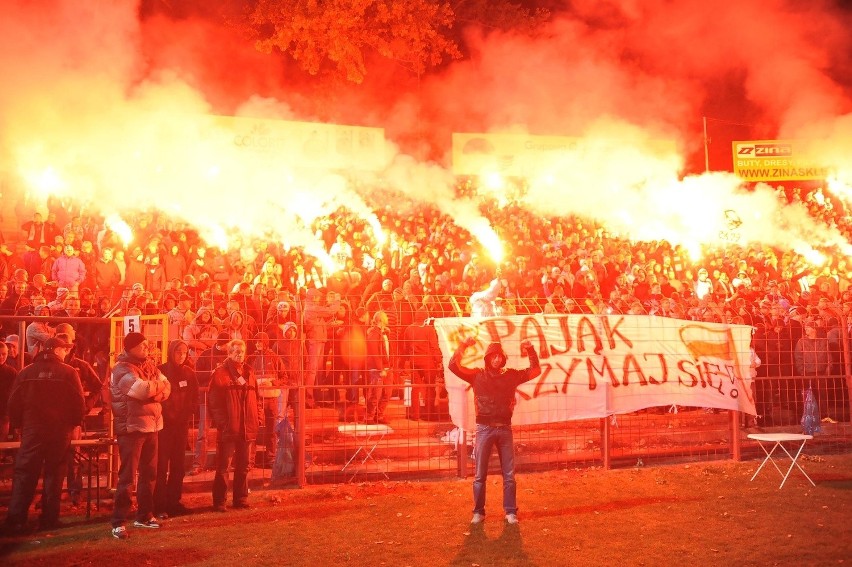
(697, 514)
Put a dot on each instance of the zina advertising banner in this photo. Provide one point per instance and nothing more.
(776, 160)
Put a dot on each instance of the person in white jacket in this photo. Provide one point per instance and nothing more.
(137, 387)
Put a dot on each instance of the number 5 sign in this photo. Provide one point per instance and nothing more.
(132, 325)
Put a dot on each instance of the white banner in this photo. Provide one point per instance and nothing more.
(598, 365)
(304, 144)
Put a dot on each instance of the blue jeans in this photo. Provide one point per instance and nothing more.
(138, 454)
(488, 437)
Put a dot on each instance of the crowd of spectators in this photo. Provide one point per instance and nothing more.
(67, 262)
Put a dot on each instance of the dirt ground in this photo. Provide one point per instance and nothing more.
(687, 514)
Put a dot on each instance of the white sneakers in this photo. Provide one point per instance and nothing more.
(120, 532)
(479, 518)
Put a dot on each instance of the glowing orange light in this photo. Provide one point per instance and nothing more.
(116, 224)
(489, 239)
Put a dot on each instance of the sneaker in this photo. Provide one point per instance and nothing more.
(162, 516)
(196, 471)
(151, 522)
(120, 533)
(242, 505)
(477, 518)
(511, 518)
(219, 508)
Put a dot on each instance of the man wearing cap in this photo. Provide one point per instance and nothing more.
(138, 388)
(14, 344)
(494, 397)
(46, 403)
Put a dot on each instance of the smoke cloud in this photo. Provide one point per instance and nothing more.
(116, 109)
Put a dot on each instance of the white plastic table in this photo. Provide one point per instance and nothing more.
(367, 436)
(778, 440)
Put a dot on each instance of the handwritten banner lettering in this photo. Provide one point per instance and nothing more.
(599, 365)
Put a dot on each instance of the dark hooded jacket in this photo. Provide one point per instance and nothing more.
(178, 408)
(47, 394)
(494, 390)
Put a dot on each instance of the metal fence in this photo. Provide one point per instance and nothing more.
(332, 442)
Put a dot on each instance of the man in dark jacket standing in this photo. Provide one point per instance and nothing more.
(137, 388)
(204, 367)
(46, 403)
(233, 406)
(177, 411)
(494, 396)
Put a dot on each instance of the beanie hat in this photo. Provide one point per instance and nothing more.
(132, 340)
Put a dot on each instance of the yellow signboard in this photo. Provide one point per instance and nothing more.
(776, 160)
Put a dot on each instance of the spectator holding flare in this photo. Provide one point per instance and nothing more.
(494, 397)
(137, 388)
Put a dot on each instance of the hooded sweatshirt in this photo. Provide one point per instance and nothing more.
(494, 390)
(184, 397)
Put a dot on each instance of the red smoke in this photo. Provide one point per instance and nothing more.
(773, 66)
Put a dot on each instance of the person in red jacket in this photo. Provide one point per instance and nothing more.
(421, 345)
(233, 406)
